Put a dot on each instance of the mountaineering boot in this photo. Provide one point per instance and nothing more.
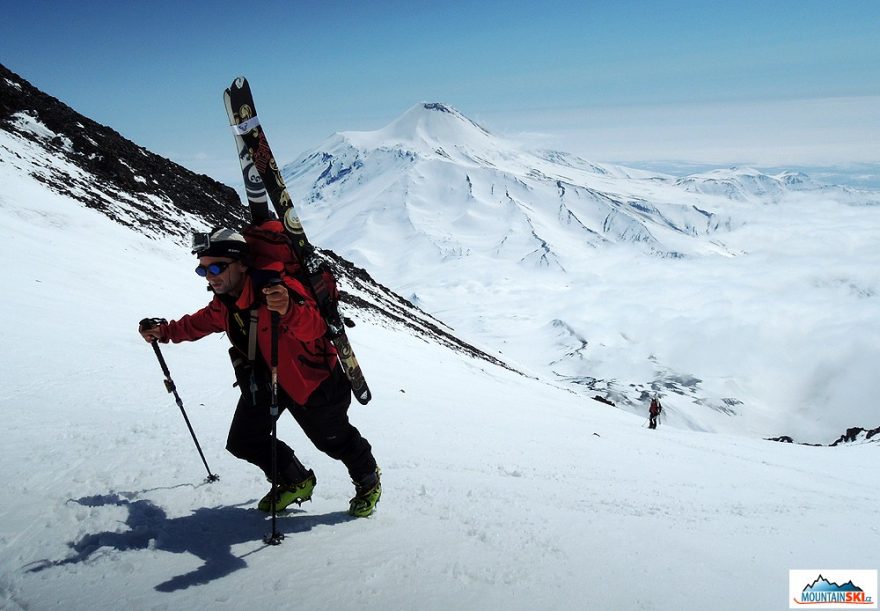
(289, 493)
(367, 491)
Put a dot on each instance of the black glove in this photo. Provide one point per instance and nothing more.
(149, 323)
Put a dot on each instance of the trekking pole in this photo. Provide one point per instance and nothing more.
(169, 385)
(275, 537)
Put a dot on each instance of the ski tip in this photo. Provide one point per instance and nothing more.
(364, 396)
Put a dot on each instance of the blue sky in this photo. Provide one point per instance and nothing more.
(787, 83)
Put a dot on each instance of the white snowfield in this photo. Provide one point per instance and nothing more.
(501, 491)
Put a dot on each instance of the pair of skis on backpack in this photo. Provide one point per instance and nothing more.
(264, 184)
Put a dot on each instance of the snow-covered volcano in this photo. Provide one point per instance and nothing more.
(445, 187)
(623, 281)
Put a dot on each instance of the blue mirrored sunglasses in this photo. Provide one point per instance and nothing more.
(213, 268)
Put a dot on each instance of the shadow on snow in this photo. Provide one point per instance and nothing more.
(208, 533)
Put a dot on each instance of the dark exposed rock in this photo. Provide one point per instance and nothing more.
(122, 177)
(852, 434)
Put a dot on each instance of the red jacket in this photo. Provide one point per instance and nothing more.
(305, 356)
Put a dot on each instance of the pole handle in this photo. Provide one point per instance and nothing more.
(273, 407)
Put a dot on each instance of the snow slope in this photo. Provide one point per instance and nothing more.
(749, 301)
(500, 490)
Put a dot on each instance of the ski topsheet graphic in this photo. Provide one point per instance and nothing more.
(263, 178)
(258, 199)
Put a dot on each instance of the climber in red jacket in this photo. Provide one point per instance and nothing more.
(311, 383)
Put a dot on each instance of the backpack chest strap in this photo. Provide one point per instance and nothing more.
(252, 336)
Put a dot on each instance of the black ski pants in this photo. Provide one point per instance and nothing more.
(324, 420)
